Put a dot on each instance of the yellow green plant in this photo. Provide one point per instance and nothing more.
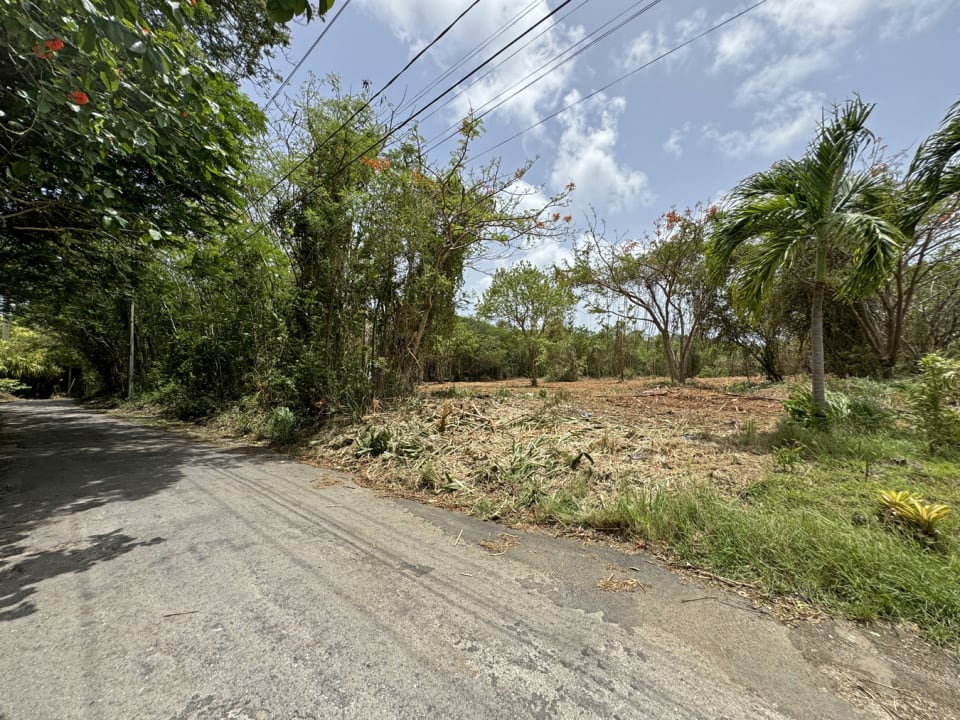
(910, 509)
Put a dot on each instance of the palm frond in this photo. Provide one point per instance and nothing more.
(876, 248)
(837, 144)
(937, 151)
(760, 266)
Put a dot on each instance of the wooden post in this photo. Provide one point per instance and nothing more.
(130, 366)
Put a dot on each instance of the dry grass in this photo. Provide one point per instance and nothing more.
(497, 448)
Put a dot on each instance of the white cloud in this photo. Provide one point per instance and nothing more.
(587, 156)
(644, 48)
(781, 75)
(649, 45)
(416, 22)
(775, 129)
(781, 46)
(547, 253)
(795, 27)
(673, 144)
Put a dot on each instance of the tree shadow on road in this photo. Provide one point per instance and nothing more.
(57, 460)
(19, 582)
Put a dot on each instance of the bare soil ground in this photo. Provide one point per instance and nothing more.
(458, 437)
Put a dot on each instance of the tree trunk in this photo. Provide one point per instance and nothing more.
(816, 348)
(769, 363)
(671, 359)
(532, 354)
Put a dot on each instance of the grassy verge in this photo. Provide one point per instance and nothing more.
(812, 528)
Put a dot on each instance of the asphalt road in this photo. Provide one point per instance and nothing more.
(142, 576)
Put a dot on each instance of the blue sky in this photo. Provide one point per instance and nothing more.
(688, 127)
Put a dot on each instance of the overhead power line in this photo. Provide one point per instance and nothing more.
(303, 59)
(505, 60)
(365, 105)
(396, 128)
(623, 77)
(473, 53)
(393, 130)
(555, 63)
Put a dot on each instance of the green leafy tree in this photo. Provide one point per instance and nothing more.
(660, 280)
(531, 302)
(818, 207)
(379, 239)
(282, 11)
(923, 204)
(108, 124)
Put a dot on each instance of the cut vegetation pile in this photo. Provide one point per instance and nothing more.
(516, 454)
(720, 479)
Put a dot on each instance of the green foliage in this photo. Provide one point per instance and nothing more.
(529, 301)
(788, 458)
(803, 214)
(282, 11)
(376, 441)
(379, 241)
(109, 119)
(801, 408)
(30, 361)
(281, 425)
(10, 386)
(179, 402)
(859, 571)
(935, 396)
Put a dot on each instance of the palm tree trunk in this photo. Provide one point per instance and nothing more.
(816, 347)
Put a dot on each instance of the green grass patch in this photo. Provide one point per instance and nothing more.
(813, 527)
(860, 569)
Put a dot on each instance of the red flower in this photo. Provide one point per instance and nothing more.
(193, 2)
(52, 47)
(567, 218)
(78, 97)
(570, 187)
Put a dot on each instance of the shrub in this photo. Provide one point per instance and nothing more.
(908, 510)
(800, 407)
(934, 397)
(280, 425)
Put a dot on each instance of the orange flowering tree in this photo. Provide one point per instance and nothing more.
(110, 119)
(661, 279)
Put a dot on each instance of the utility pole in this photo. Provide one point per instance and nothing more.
(130, 366)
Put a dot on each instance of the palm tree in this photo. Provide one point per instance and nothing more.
(818, 206)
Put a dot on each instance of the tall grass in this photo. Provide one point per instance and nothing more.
(864, 571)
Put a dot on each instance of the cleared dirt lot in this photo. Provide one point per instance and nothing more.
(464, 440)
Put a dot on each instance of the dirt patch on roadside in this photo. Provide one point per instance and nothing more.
(884, 668)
